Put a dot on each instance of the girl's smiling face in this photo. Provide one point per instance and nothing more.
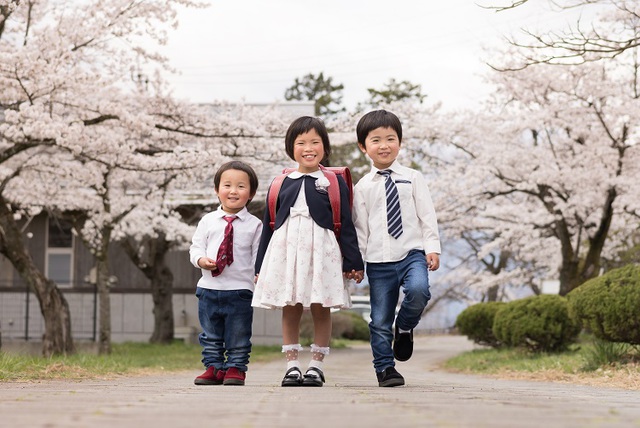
(308, 151)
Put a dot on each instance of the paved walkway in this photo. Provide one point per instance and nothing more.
(351, 398)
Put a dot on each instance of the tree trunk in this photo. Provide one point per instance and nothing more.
(573, 272)
(104, 305)
(492, 293)
(155, 269)
(57, 339)
(591, 267)
(568, 276)
(162, 291)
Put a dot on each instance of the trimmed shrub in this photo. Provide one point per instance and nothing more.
(476, 322)
(539, 323)
(609, 306)
(349, 325)
(345, 325)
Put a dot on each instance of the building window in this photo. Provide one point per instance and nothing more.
(60, 252)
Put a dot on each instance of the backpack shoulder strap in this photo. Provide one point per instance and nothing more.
(334, 198)
(274, 190)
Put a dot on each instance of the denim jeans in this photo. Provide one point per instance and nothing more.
(226, 318)
(385, 280)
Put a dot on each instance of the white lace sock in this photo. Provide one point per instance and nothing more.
(291, 352)
(317, 355)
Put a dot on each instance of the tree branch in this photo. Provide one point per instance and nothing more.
(100, 119)
(205, 135)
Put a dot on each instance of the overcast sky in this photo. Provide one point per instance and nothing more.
(252, 50)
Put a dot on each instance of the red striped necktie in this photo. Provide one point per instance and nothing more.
(225, 252)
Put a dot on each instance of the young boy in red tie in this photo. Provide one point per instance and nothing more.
(224, 247)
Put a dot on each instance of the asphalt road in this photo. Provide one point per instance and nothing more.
(350, 398)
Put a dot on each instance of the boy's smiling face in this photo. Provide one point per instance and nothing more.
(382, 145)
(234, 190)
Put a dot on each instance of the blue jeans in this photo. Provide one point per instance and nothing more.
(226, 318)
(385, 280)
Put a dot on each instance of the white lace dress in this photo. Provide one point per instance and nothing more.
(302, 264)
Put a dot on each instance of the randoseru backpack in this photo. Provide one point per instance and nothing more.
(331, 173)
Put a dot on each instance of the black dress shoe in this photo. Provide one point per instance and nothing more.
(313, 377)
(293, 377)
(390, 377)
(402, 345)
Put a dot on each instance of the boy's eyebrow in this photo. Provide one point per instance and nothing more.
(384, 136)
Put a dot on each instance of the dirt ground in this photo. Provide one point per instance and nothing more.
(627, 377)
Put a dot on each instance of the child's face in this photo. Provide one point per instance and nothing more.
(382, 146)
(308, 151)
(234, 190)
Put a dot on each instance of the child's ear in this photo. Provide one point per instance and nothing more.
(362, 148)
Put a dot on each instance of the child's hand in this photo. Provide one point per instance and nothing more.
(433, 261)
(358, 276)
(207, 263)
(349, 275)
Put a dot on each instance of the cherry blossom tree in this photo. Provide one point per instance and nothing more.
(71, 111)
(167, 221)
(614, 32)
(549, 166)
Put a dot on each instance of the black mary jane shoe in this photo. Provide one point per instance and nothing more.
(313, 377)
(293, 377)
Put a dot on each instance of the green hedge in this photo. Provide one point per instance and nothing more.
(476, 322)
(345, 325)
(609, 306)
(539, 323)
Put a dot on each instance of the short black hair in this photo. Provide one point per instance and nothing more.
(377, 119)
(303, 125)
(240, 166)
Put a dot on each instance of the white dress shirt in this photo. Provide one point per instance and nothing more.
(419, 221)
(246, 237)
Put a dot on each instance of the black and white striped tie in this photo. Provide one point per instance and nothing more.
(394, 218)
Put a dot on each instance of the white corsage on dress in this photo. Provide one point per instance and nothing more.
(322, 184)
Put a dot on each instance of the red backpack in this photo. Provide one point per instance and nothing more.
(331, 172)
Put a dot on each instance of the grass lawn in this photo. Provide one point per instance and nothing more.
(131, 358)
(125, 359)
(587, 362)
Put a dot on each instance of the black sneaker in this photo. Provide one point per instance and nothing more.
(402, 345)
(390, 377)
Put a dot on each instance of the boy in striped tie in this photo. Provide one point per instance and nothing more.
(398, 236)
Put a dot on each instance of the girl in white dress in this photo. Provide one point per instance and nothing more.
(301, 264)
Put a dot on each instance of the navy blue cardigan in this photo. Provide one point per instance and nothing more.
(320, 210)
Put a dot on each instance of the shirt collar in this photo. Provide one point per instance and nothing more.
(297, 174)
(394, 167)
(241, 214)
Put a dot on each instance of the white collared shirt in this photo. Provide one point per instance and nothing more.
(419, 221)
(246, 238)
(298, 174)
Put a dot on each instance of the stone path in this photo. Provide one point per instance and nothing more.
(350, 398)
